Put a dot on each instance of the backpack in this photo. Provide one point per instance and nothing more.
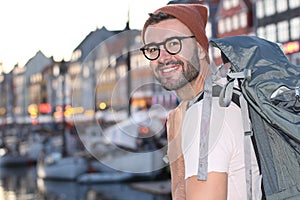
(270, 86)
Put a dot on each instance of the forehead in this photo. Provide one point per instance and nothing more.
(165, 29)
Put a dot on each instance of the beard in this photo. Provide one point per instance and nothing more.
(189, 73)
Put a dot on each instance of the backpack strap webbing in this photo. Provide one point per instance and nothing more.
(216, 90)
(247, 145)
(240, 101)
(203, 146)
(204, 130)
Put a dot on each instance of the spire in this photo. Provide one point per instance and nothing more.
(128, 17)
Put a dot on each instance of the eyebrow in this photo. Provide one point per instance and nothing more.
(175, 37)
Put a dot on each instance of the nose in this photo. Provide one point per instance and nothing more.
(164, 55)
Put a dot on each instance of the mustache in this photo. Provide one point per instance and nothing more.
(170, 62)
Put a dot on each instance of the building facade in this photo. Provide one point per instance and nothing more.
(108, 73)
(114, 76)
(279, 21)
(234, 17)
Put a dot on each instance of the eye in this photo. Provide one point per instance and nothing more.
(152, 49)
(173, 43)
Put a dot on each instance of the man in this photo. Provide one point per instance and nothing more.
(177, 47)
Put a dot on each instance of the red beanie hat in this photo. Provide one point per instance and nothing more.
(194, 16)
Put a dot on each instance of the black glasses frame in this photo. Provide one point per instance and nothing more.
(179, 38)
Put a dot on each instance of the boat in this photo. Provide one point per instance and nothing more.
(14, 160)
(119, 146)
(13, 153)
(105, 177)
(54, 166)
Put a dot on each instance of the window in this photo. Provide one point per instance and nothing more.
(243, 19)
(235, 22)
(121, 70)
(86, 72)
(208, 30)
(112, 60)
(97, 64)
(261, 32)
(221, 26)
(271, 32)
(283, 31)
(281, 5)
(294, 4)
(228, 24)
(226, 4)
(295, 28)
(260, 9)
(76, 55)
(269, 7)
(112, 75)
(104, 61)
(235, 3)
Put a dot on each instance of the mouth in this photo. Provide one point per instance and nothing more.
(170, 69)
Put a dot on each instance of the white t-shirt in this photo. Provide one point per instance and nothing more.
(226, 148)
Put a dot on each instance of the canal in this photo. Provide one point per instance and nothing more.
(22, 184)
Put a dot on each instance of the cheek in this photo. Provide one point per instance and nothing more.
(186, 53)
(153, 66)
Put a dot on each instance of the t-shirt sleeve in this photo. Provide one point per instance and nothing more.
(220, 143)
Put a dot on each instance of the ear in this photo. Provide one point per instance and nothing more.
(201, 52)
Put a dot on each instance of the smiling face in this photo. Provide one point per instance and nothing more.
(173, 71)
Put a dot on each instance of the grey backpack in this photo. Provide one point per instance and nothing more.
(270, 84)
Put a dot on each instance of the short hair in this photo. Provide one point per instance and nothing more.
(157, 17)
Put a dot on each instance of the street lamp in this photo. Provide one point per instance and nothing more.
(2, 110)
(63, 70)
(128, 62)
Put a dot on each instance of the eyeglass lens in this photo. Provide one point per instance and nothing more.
(171, 45)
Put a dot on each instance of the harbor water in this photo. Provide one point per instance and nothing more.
(22, 183)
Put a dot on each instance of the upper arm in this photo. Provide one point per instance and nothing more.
(215, 187)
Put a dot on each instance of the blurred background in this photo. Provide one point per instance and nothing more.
(81, 116)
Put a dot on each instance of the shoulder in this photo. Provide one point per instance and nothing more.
(225, 132)
(179, 110)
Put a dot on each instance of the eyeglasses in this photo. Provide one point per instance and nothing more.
(172, 45)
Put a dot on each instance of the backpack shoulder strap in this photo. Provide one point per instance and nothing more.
(237, 98)
(247, 145)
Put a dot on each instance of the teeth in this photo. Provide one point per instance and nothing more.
(169, 69)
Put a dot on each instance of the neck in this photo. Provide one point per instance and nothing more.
(192, 89)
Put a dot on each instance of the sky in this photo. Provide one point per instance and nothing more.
(56, 27)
